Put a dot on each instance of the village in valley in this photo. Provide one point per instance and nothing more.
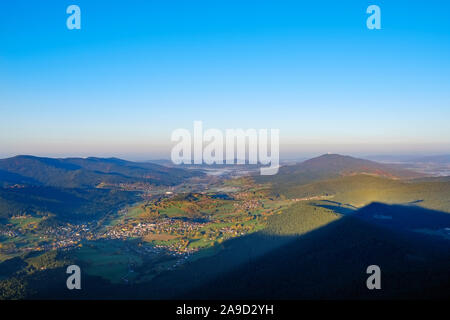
(170, 225)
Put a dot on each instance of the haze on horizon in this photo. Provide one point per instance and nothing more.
(136, 71)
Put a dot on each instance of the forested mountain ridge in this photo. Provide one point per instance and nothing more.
(86, 172)
(77, 187)
(330, 166)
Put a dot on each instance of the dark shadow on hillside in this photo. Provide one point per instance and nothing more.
(336, 208)
(330, 263)
(327, 263)
(416, 201)
(342, 204)
(172, 283)
(409, 217)
(69, 204)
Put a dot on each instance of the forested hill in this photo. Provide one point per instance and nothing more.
(68, 188)
(86, 172)
(332, 166)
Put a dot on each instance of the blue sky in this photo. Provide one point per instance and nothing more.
(137, 70)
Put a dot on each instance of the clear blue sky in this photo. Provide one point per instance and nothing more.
(139, 69)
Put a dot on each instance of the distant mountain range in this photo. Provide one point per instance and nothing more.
(90, 172)
(85, 172)
(436, 159)
(335, 164)
(67, 187)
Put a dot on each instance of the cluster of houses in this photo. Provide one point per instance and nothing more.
(8, 233)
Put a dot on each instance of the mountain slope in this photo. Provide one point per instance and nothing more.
(66, 188)
(360, 190)
(63, 203)
(9, 178)
(330, 166)
(89, 172)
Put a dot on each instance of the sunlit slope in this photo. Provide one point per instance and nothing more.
(360, 190)
(299, 219)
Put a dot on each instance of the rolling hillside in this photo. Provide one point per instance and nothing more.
(89, 172)
(67, 188)
(360, 190)
(330, 166)
(358, 182)
(62, 203)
